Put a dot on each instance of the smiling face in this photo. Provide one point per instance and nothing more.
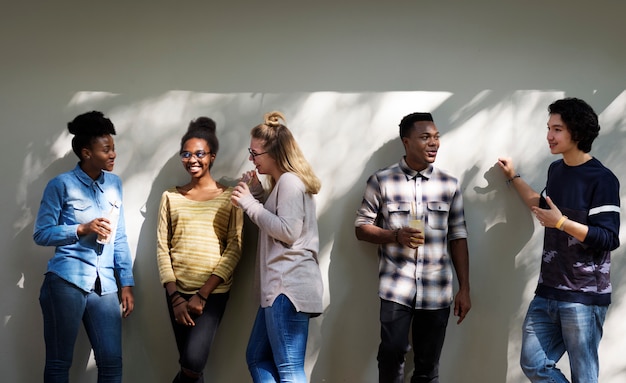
(262, 160)
(99, 156)
(421, 145)
(197, 167)
(559, 137)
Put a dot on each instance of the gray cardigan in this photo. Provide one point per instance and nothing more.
(288, 245)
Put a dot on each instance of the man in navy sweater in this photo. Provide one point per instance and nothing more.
(579, 208)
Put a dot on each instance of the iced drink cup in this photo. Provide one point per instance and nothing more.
(416, 224)
(112, 216)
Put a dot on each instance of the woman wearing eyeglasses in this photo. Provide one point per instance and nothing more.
(198, 248)
(288, 278)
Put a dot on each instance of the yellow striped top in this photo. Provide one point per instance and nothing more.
(196, 239)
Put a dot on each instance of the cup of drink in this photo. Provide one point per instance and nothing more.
(247, 178)
(113, 216)
(416, 223)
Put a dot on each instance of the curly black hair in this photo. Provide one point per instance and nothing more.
(203, 128)
(88, 126)
(580, 119)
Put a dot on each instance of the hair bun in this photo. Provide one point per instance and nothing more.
(71, 127)
(273, 119)
(92, 123)
(203, 123)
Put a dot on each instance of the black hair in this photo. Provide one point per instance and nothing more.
(409, 120)
(202, 128)
(88, 126)
(580, 119)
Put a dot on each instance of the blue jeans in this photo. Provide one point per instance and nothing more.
(64, 307)
(428, 329)
(194, 343)
(277, 345)
(553, 327)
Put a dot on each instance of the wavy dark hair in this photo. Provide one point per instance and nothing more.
(87, 127)
(580, 119)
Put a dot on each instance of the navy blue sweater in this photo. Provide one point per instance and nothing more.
(572, 271)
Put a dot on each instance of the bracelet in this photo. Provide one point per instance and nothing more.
(517, 175)
(177, 299)
(201, 297)
(180, 303)
(173, 296)
(560, 224)
(395, 232)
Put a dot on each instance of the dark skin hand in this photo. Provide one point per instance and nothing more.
(413, 238)
(100, 226)
(128, 301)
(185, 310)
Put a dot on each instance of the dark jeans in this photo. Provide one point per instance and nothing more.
(194, 343)
(64, 307)
(429, 330)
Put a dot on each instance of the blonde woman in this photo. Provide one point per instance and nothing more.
(288, 278)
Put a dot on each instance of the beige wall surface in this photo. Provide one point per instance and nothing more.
(344, 73)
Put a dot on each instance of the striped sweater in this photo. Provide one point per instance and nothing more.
(196, 239)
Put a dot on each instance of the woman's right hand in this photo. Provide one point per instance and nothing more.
(99, 226)
(181, 312)
(241, 190)
(179, 305)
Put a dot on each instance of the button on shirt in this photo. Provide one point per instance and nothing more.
(71, 199)
(422, 277)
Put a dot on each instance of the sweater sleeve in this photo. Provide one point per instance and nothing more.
(232, 252)
(164, 235)
(604, 215)
(286, 223)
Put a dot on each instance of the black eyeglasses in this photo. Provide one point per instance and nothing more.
(253, 154)
(200, 154)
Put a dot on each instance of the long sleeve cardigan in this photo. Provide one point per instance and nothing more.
(288, 245)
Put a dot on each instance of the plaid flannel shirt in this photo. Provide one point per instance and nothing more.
(421, 278)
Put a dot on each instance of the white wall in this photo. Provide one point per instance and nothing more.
(344, 73)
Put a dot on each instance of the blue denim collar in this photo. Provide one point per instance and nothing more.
(88, 181)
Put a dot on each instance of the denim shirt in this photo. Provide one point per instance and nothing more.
(71, 199)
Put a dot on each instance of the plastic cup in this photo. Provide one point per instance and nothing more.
(112, 216)
(247, 178)
(416, 224)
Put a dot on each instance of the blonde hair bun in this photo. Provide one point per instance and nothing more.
(273, 119)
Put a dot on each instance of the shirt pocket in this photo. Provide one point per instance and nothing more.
(398, 214)
(82, 210)
(438, 215)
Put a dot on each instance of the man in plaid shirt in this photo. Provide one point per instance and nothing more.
(415, 267)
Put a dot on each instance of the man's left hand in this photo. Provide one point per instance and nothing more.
(462, 305)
